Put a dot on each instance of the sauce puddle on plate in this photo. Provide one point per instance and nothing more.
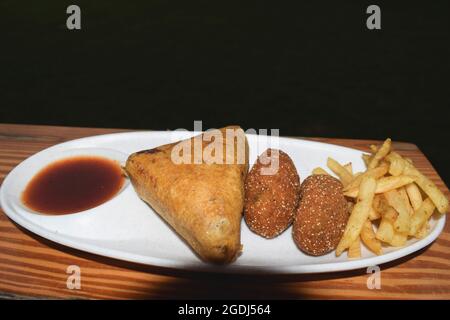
(73, 184)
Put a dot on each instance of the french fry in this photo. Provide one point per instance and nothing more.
(393, 155)
(349, 168)
(403, 221)
(373, 148)
(399, 239)
(376, 173)
(377, 203)
(404, 195)
(390, 215)
(421, 216)
(354, 251)
(374, 214)
(368, 238)
(414, 195)
(391, 189)
(366, 159)
(423, 231)
(340, 171)
(359, 215)
(350, 206)
(390, 183)
(384, 162)
(397, 164)
(384, 185)
(385, 231)
(319, 170)
(380, 154)
(381, 205)
(438, 198)
(396, 168)
(357, 174)
(352, 193)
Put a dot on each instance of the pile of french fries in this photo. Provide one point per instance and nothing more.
(391, 195)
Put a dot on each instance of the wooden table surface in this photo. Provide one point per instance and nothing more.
(31, 266)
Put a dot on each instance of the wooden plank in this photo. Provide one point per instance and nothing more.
(31, 266)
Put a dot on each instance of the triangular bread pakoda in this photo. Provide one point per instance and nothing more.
(197, 186)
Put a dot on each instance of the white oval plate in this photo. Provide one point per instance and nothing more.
(126, 228)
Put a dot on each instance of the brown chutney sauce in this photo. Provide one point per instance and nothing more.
(73, 184)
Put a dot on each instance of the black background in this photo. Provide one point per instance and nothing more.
(309, 68)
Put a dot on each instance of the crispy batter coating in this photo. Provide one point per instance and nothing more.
(321, 215)
(202, 202)
(271, 200)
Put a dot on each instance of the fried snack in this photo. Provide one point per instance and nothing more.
(385, 231)
(369, 239)
(398, 201)
(356, 175)
(340, 171)
(423, 231)
(319, 170)
(421, 216)
(390, 215)
(380, 154)
(359, 215)
(404, 195)
(376, 173)
(384, 185)
(414, 195)
(399, 239)
(366, 158)
(349, 168)
(383, 206)
(321, 215)
(271, 200)
(373, 148)
(350, 206)
(202, 202)
(354, 251)
(438, 198)
(374, 214)
(377, 203)
(397, 164)
(403, 221)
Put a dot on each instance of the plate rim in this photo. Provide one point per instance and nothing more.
(325, 267)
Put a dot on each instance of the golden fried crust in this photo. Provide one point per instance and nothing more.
(271, 200)
(202, 202)
(321, 215)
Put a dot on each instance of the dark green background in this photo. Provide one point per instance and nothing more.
(310, 68)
